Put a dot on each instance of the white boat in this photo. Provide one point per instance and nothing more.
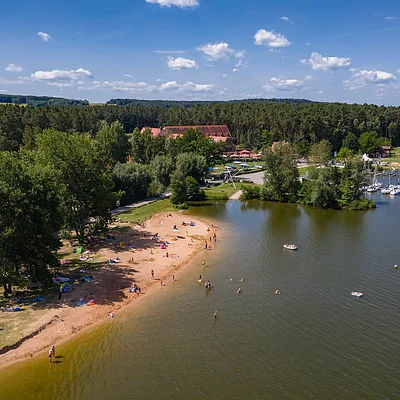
(290, 246)
(357, 294)
(386, 191)
(395, 192)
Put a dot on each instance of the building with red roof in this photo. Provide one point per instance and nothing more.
(218, 133)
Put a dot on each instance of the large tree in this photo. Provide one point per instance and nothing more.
(281, 173)
(113, 142)
(29, 218)
(133, 179)
(84, 181)
(162, 168)
(368, 142)
(321, 152)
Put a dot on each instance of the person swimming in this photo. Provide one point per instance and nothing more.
(277, 291)
(239, 291)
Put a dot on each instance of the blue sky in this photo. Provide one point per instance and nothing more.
(331, 50)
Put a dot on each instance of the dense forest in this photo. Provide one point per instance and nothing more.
(188, 103)
(40, 101)
(252, 125)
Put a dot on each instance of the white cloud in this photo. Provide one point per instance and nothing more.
(169, 51)
(180, 63)
(129, 76)
(284, 18)
(278, 84)
(219, 51)
(270, 39)
(13, 68)
(178, 3)
(240, 65)
(390, 18)
(361, 78)
(44, 36)
(143, 87)
(3, 90)
(61, 78)
(319, 62)
(307, 44)
(171, 85)
(308, 78)
(224, 75)
(186, 87)
(320, 92)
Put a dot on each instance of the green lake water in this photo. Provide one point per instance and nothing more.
(314, 341)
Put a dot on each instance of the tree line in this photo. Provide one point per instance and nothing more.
(252, 124)
(40, 101)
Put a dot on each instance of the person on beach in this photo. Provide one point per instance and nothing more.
(173, 277)
(203, 263)
(205, 245)
(52, 353)
(199, 280)
(152, 274)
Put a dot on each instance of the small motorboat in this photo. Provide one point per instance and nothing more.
(357, 294)
(290, 246)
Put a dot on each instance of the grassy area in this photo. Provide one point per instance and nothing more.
(220, 193)
(142, 214)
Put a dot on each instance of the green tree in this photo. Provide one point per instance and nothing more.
(29, 218)
(321, 152)
(134, 179)
(281, 173)
(368, 142)
(345, 154)
(353, 181)
(193, 191)
(178, 190)
(190, 164)
(351, 142)
(113, 142)
(84, 181)
(162, 168)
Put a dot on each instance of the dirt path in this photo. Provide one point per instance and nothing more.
(236, 195)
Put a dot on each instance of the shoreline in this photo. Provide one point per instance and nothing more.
(58, 324)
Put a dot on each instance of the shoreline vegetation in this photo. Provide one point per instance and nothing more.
(139, 244)
(325, 186)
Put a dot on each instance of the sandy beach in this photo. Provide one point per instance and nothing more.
(139, 250)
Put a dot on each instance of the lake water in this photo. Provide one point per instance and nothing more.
(314, 341)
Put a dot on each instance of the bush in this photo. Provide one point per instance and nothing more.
(250, 192)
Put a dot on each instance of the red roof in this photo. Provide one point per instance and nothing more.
(208, 130)
(155, 132)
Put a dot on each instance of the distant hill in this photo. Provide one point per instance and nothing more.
(40, 101)
(188, 104)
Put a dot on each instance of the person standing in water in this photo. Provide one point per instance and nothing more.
(52, 353)
(215, 314)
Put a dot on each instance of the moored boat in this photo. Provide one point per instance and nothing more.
(357, 294)
(290, 246)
